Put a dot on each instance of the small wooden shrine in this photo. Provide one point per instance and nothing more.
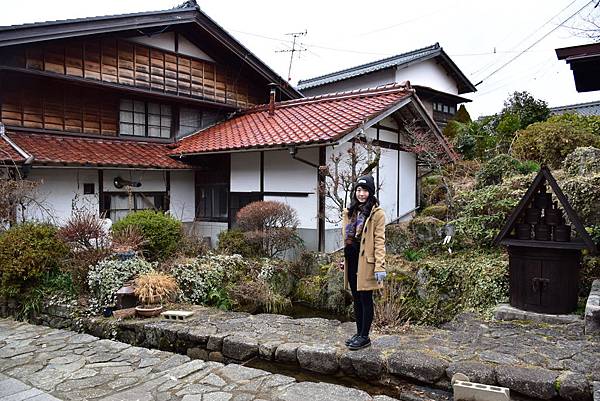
(544, 249)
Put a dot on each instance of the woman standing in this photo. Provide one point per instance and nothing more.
(364, 256)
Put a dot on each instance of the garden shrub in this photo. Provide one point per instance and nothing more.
(201, 279)
(437, 211)
(587, 123)
(481, 213)
(270, 224)
(79, 262)
(84, 230)
(465, 281)
(502, 166)
(590, 271)
(583, 193)
(582, 161)
(398, 238)
(192, 246)
(109, 275)
(27, 252)
(426, 231)
(550, 142)
(235, 242)
(161, 232)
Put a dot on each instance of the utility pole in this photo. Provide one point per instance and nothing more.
(295, 35)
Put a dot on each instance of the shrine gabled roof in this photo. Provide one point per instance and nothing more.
(545, 176)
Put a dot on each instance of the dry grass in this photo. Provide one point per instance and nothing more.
(155, 288)
(391, 312)
(129, 238)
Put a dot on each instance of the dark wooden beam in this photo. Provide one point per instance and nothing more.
(321, 200)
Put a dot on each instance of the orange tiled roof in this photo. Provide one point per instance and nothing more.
(65, 150)
(302, 121)
(8, 154)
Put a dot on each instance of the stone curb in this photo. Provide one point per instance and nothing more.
(200, 337)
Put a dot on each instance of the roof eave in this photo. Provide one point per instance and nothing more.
(38, 32)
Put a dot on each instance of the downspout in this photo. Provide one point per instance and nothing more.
(293, 151)
(28, 158)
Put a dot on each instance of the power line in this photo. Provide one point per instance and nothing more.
(488, 65)
(535, 43)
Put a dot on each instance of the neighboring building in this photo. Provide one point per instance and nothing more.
(585, 63)
(436, 78)
(98, 98)
(585, 109)
(165, 110)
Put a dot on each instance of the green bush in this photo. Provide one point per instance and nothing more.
(550, 142)
(582, 161)
(234, 242)
(201, 278)
(27, 252)
(502, 166)
(466, 281)
(161, 232)
(109, 275)
(583, 193)
(587, 123)
(481, 213)
(438, 211)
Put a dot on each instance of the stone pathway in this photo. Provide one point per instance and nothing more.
(541, 361)
(38, 363)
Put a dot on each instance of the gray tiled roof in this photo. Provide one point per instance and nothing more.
(400, 59)
(585, 109)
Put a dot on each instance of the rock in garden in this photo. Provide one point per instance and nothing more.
(534, 382)
(367, 363)
(574, 387)
(417, 365)
(477, 372)
(287, 352)
(318, 358)
(240, 348)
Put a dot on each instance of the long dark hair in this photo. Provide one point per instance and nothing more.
(366, 207)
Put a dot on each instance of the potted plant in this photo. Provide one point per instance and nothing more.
(153, 289)
(126, 243)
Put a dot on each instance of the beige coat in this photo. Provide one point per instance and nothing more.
(371, 256)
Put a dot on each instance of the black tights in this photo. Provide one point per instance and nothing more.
(363, 300)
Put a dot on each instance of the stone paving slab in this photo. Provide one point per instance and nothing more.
(535, 359)
(38, 363)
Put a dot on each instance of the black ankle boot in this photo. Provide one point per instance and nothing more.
(359, 342)
(348, 341)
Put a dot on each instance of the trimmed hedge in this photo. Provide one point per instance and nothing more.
(161, 232)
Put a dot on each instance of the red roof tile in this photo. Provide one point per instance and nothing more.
(8, 154)
(302, 121)
(65, 150)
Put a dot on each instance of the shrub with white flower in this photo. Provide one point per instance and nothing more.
(198, 277)
(108, 276)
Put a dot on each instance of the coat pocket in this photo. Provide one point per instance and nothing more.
(370, 259)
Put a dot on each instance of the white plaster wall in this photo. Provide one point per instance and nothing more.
(388, 181)
(306, 207)
(408, 182)
(190, 49)
(245, 172)
(428, 73)
(373, 80)
(332, 212)
(209, 229)
(60, 193)
(182, 204)
(165, 40)
(284, 174)
(152, 180)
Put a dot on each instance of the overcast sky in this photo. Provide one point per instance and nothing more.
(479, 35)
